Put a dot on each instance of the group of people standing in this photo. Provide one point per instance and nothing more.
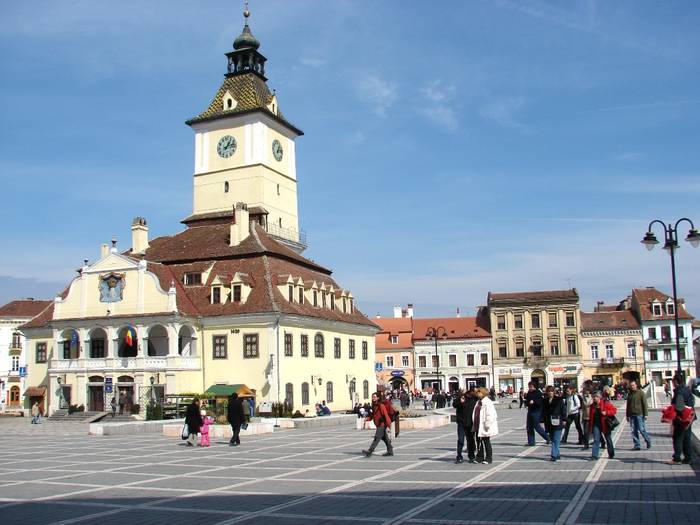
(477, 423)
(197, 421)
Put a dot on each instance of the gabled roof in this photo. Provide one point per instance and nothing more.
(609, 320)
(401, 327)
(23, 308)
(456, 327)
(643, 298)
(533, 297)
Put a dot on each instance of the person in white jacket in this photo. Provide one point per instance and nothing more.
(485, 425)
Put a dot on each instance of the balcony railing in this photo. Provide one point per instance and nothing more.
(612, 362)
(287, 234)
(665, 341)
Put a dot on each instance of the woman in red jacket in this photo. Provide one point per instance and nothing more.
(600, 411)
(382, 421)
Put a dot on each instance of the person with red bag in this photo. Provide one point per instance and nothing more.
(599, 424)
(382, 422)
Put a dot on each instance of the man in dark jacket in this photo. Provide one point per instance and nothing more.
(636, 413)
(533, 400)
(464, 404)
(236, 417)
(193, 420)
(682, 399)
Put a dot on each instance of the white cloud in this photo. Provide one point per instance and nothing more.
(503, 112)
(377, 92)
(440, 108)
(314, 62)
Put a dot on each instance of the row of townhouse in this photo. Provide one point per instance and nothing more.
(540, 336)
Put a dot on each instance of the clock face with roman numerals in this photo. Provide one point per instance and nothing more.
(226, 146)
(277, 150)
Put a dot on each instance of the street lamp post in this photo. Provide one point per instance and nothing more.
(436, 333)
(671, 245)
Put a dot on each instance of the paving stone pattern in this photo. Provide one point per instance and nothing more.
(55, 473)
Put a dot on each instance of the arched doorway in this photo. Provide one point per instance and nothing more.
(398, 383)
(14, 396)
(453, 384)
(158, 341)
(125, 394)
(96, 393)
(538, 378)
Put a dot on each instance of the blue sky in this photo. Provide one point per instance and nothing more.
(450, 148)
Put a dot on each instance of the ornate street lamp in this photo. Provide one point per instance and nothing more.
(671, 245)
(434, 334)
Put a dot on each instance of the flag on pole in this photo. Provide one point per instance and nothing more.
(129, 337)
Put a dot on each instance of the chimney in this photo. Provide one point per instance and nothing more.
(113, 249)
(240, 228)
(409, 310)
(397, 312)
(104, 251)
(598, 306)
(139, 235)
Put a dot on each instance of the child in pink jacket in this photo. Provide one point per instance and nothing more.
(204, 431)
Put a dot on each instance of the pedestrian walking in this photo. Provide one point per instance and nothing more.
(251, 408)
(113, 406)
(598, 424)
(485, 421)
(204, 431)
(193, 420)
(667, 389)
(36, 414)
(533, 400)
(636, 413)
(521, 398)
(573, 414)
(464, 404)
(554, 416)
(586, 402)
(122, 402)
(683, 401)
(235, 415)
(382, 422)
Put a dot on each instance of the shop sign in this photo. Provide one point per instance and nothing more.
(563, 369)
(397, 373)
(516, 370)
(504, 370)
(378, 367)
(22, 371)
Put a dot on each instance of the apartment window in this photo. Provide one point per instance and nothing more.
(484, 359)
(502, 350)
(632, 350)
(681, 332)
(289, 393)
(216, 295)
(501, 320)
(554, 347)
(71, 351)
(609, 352)
(435, 360)
(452, 359)
(537, 348)
(594, 351)
(422, 361)
(552, 320)
(365, 389)
(315, 295)
(304, 345)
(15, 363)
(667, 355)
(236, 293)
(16, 340)
(652, 333)
(305, 393)
(570, 319)
(571, 346)
(41, 354)
(518, 321)
(394, 339)
(193, 279)
(682, 353)
(219, 346)
(364, 350)
(653, 355)
(319, 351)
(670, 309)
(288, 348)
(470, 359)
(404, 361)
(97, 348)
(301, 295)
(535, 318)
(329, 392)
(657, 309)
(336, 348)
(250, 346)
(390, 361)
(519, 349)
(665, 333)
(290, 293)
(351, 349)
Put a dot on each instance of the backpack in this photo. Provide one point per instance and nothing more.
(393, 414)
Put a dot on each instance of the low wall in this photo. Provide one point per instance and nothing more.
(334, 420)
(222, 431)
(127, 428)
(411, 423)
(281, 422)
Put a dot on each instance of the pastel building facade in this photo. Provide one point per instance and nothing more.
(395, 365)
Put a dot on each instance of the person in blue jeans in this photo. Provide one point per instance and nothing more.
(636, 413)
(598, 424)
(533, 400)
(554, 416)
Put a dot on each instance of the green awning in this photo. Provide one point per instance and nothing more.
(227, 390)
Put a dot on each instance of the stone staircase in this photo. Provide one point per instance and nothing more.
(63, 415)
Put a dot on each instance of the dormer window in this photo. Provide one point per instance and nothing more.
(216, 294)
(301, 295)
(332, 302)
(323, 299)
(315, 298)
(291, 293)
(394, 339)
(193, 279)
(352, 306)
(670, 308)
(345, 306)
(236, 293)
(229, 103)
(656, 309)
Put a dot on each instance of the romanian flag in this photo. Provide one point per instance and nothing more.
(129, 337)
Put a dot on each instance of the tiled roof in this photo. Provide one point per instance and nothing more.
(609, 320)
(401, 327)
(643, 297)
(42, 319)
(530, 297)
(26, 308)
(251, 94)
(456, 327)
(220, 217)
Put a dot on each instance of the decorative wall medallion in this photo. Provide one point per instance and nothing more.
(112, 287)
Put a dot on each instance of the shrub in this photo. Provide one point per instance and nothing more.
(135, 409)
(154, 411)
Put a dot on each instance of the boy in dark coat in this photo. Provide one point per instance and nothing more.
(236, 417)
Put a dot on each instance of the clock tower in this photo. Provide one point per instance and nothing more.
(244, 149)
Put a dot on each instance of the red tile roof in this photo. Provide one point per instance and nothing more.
(401, 327)
(456, 327)
(530, 297)
(609, 320)
(643, 299)
(26, 308)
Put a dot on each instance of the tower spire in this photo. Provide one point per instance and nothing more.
(245, 57)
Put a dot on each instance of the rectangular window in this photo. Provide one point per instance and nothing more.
(520, 349)
(571, 346)
(470, 359)
(16, 340)
(288, 346)
(15, 363)
(552, 320)
(315, 296)
(657, 309)
(502, 350)
(653, 355)
(193, 279)
(632, 350)
(652, 333)
(609, 351)
(682, 354)
(236, 293)
(452, 360)
(304, 345)
(250, 346)
(301, 295)
(537, 348)
(394, 339)
(535, 318)
(670, 309)
(501, 320)
(484, 359)
(667, 355)
(97, 348)
(390, 361)
(332, 299)
(518, 321)
(219, 347)
(345, 305)
(290, 293)
(570, 319)
(336, 348)
(594, 351)
(323, 299)
(435, 361)
(422, 361)
(404, 361)
(665, 333)
(351, 349)
(554, 347)
(216, 295)
(364, 350)
(41, 354)
(681, 332)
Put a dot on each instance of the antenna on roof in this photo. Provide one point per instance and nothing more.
(568, 280)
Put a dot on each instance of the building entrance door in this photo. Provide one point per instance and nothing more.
(96, 398)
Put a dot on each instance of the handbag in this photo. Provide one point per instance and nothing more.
(185, 432)
(244, 426)
(612, 422)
